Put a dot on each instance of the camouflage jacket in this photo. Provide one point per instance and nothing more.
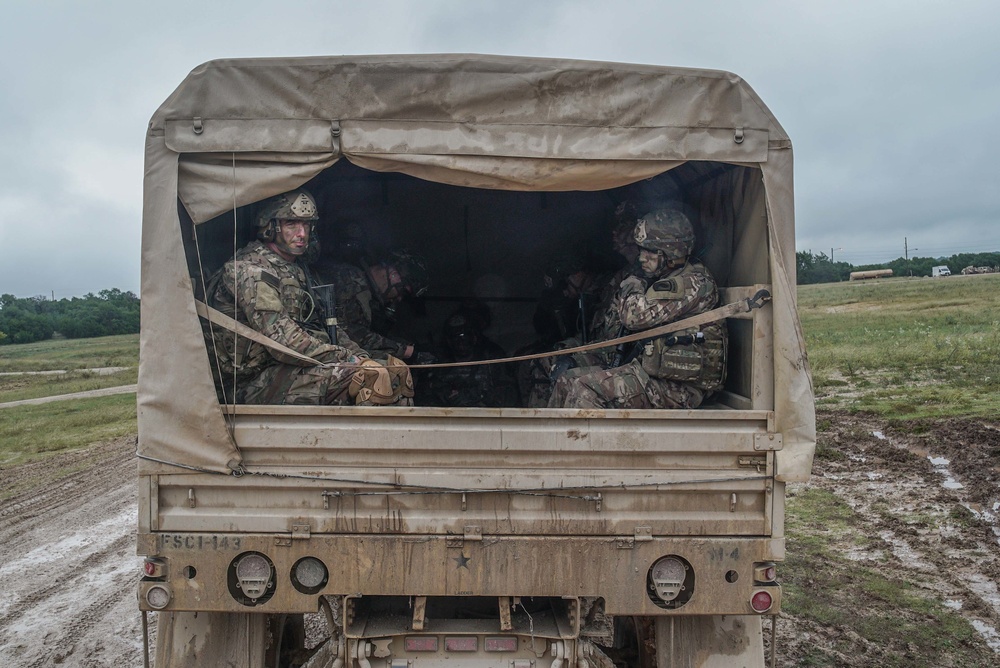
(359, 312)
(261, 289)
(643, 304)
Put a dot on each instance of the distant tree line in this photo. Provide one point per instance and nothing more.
(24, 320)
(821, 269)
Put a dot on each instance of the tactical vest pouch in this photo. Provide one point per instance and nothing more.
(681, 362)
(702, 363)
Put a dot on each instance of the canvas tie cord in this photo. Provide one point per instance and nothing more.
(739, 306)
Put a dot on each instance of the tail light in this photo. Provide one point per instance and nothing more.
(158, 596)
(761, 601)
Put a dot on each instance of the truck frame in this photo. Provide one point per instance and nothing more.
(427, 536)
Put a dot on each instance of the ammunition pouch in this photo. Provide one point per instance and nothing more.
(691, 356)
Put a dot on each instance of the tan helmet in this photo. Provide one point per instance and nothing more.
(292, 205)
(665, 230)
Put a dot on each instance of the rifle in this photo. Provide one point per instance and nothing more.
(621, 350)
(328, 302)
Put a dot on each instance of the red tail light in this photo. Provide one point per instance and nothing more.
(761, 601)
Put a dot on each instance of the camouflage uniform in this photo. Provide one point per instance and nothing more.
(535, 376)
(490, 385)
(666, 373)
(359, 312)
(266, 292)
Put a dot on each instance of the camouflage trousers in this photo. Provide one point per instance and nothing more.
(304, 385)
(626, 386)
(535, 376)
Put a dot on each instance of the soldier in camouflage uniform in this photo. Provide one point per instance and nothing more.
(490, 385)
(266, 287)
(367, 298)
(676, 371)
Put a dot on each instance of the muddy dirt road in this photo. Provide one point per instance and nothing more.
(67, 561)
(927, 503)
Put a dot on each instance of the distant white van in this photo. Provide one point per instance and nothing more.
(940, 271)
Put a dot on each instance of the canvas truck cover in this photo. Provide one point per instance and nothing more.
(237, 131)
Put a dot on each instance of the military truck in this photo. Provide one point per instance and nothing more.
(474, 536)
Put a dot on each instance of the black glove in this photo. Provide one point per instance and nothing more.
(562, 365)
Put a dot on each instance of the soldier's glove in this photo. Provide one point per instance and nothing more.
(562, 365)
(399, 373)
(372, 385)
(632, 285)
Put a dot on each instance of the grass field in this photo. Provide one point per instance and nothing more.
(30, 432)
(906, 347)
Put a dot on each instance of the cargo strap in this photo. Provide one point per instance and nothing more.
(739, 306)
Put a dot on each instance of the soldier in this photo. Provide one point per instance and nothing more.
(367, 298)
(266, 287)
(466, 386)
(676, 371)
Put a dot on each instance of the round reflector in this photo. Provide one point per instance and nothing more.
(158, 597)
(309, 575)
(761, 601)
(667, 576)
(253, 566)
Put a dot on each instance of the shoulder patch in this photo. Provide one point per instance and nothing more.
(266, 294)
(270, 279)
(669, 288)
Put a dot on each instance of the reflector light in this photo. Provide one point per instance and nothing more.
(310, 572)
(254, 574)
(505, 644)
(765, 572)
(761, 601)
(421, 644)
(158, 597)
(668, 575)
(153, 567)
(461, 644)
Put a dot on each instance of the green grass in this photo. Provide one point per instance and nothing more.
(905, 348)
(55, 354)
(16, 388)
(28, 433)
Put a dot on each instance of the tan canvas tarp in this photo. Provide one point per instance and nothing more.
(237, 131)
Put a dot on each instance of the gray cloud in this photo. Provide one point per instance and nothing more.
(892, 106)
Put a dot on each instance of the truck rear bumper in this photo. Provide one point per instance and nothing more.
(199, 570)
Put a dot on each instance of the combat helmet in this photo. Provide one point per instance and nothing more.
(666, 230)
(562, 265)
(412, 270)
(292, 205)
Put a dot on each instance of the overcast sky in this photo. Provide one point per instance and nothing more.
(893, 107)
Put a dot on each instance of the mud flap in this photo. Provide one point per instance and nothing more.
(186, 639)
(715, 641)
